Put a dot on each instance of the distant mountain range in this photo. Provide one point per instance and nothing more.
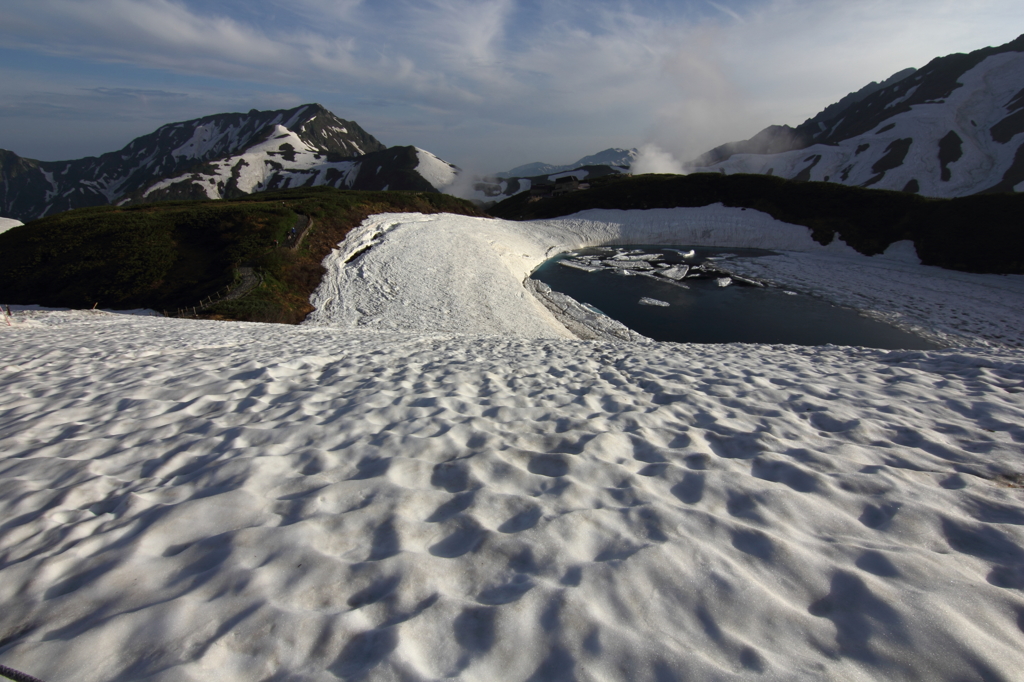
(221, 156)
(500, 186)
(620, 159)
(952, 128)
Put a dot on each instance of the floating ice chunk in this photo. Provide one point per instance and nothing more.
(628, 264)
(789, 293)
(579, 266)
(677, 273)
(653, 301)
(685, 254)
(637, 257)
(724, 281)
(746, 281)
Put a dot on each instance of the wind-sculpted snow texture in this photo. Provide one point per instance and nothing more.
(186, 500)
(946, 144)
(384, 496)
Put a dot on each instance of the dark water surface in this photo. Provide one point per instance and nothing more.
(708, 313)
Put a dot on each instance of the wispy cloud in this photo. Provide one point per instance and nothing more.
(727, 11)
(134, 93)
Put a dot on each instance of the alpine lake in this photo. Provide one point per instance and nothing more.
(686, 294)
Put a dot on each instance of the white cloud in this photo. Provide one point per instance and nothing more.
(653, 159)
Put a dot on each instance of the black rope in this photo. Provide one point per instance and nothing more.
(12, 674)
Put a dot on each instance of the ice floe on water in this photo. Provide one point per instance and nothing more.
(432, 480)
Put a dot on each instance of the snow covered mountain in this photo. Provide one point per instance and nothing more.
(952, 128)
(522, 178)
(216, 157)
(620, 159)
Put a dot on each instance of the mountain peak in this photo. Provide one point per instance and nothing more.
(214, 156)
(954, 127)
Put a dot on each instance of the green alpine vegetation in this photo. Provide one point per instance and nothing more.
(978, 233)
(172, 255)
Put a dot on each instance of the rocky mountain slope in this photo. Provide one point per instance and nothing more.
(220, 156)
(952, 128)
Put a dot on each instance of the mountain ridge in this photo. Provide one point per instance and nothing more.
(214, 157)
(613, 156)
(954, 127)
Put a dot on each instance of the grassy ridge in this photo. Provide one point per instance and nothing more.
(172, 254)
(982, 233)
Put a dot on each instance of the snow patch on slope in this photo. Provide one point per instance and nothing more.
(263, 163)
(8, 223)
(204, 138)
(440, 174)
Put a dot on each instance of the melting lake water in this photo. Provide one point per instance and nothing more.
(706, 311)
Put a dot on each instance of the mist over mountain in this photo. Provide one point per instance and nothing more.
(952, 128)
(220, 156)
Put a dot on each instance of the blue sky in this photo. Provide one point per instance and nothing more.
(485, 84)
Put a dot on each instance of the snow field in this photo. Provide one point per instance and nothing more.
(458, 274)
(190, 499)
(391, 493)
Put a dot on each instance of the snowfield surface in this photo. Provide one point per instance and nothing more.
(970, 111)
(379, 496)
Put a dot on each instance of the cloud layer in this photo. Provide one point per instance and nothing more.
(484, 83)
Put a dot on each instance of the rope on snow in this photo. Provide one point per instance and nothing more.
(17, 676)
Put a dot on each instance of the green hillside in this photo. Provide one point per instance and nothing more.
(173, 254)
(981, 233)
